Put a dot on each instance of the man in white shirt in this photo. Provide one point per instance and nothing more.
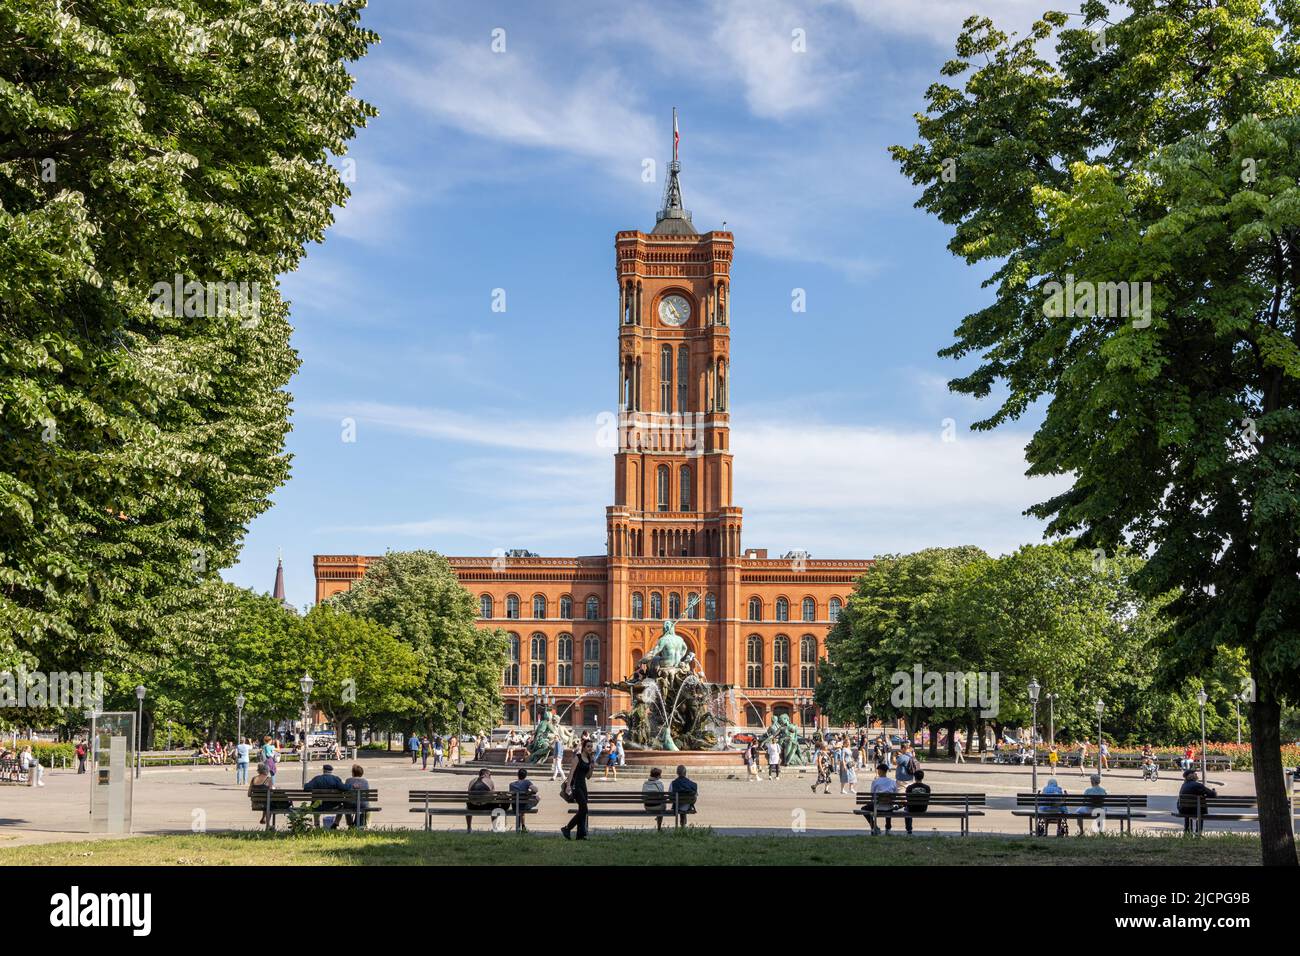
(886, 787)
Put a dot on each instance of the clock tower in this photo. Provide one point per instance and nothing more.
(672, 470)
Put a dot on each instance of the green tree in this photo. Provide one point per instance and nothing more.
(898, 618)
(228, 641)
(361, 669)
(1166, 152)
(417, 595)
(141, 432)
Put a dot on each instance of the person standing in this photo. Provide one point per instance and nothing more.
(81, 756)
(905, 766)
(577, 788)
(413, 745)
(1103, 754)
(959, 747)
(270, 757)
(1083, 756)
(557, 758)
(773, 760)
(848, 769)
(750, 757)
(424, 752)
(242, 753)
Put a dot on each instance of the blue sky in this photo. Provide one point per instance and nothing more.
(477, 430)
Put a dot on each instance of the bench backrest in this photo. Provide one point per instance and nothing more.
(483, 798)
(637, 798)
(1075, 800)
(1225, 802)
(932, 799)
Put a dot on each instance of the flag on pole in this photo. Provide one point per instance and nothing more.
(677, 137)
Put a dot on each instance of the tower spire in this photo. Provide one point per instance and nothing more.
(673, 219)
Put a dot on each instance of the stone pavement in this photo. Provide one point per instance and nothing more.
(194, 798)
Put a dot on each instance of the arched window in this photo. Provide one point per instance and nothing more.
(674, 605)
(537, 660)
(512, 606)
(591, 661)
(638, 607)
(511, 676)
(661, 484)
(710, 607)
(539, 607)
(694, 609)
(781, 661)
(808, 661)
(564, 660)
(809, 610)
(754, 661)
(656, 606)
(755, 609)
(485, 606)
(666, 378)
(782, 609)
(683, 376)
(566, 608)
(684, 477)
(593, 608)
(833, 610)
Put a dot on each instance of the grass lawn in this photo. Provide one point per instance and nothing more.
(630, 848)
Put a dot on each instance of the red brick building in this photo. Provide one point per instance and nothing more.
(673, 532)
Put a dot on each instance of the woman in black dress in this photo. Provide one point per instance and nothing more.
(577, 784)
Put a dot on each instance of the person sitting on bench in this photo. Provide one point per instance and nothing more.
(918, 799)
(883, 789)
(524, 791)
(1095, 793)
(683, 786)
(483, 784)
(1050, 803)
(328, 780)
(1191, 802)
(652, 794)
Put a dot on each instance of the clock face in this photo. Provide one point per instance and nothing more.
(674, 310)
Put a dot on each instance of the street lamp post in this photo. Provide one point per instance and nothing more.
(305, 684)
(1202, 698)
(1051, 719)
(1034, 688)
(1101, 709)
(139, 719)
(460, 725)
(240, 700)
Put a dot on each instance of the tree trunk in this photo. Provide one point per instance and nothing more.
(1275, 834)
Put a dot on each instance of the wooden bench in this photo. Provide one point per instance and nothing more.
(1229, 807)
(1124, 807)
(272, 802)
(11, 771)
(951, 806)
(469, 804)
(634, 803)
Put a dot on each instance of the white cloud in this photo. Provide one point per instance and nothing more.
(940, 20)
(837, 490)
(511, 97)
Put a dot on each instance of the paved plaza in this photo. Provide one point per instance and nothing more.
(184, 799)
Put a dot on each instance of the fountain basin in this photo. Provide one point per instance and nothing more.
(669, 759)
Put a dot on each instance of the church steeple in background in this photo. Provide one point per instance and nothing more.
(278, 591)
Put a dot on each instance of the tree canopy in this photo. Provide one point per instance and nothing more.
(418, 596)
(160, 167)
(1158, 155)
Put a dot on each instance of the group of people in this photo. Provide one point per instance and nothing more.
(29, 765)
(264, 780)
(444, 751)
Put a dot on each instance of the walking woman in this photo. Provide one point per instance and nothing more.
(577, 784)
(848, 772)
(822, 761)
